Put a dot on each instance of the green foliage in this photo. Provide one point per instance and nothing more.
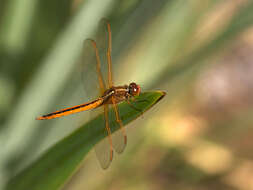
(40, 42)
(55, 166)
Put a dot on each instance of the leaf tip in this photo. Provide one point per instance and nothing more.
(162, 95)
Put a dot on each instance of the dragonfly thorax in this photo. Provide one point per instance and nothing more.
(120, 93)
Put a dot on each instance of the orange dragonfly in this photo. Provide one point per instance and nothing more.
(108, 94)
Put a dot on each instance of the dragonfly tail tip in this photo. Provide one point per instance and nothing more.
(39, 118)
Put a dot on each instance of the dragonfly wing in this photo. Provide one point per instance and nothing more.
(92, 78)
(95, 66)
(103, 149)
(118, 142)
(94, 86)
(104, 41)
(119, 138)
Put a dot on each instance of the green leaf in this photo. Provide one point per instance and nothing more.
(57, 164)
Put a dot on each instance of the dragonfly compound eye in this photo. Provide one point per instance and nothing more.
(134, 89)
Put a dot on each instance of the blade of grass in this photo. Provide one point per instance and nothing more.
(54, 167)
(21, 124)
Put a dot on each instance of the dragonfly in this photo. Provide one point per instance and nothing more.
(109, 95)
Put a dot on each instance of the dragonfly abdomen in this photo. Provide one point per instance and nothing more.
(75, 109)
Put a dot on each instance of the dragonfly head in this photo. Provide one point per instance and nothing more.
(134, 89)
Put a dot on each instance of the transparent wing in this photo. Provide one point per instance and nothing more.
(104, 41)
(96, 67)
(103, 149)
(119, 138)
(90, 73)
(95, 86)
(92, 78)
(102, 153)
(104, 45)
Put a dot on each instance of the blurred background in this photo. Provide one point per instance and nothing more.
(199, 52)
